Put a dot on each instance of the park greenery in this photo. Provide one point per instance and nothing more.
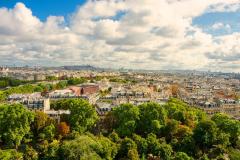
(75, 81)
(174, 131)
(11, 82)
(43, 87)
(122, 80)
(31, 88)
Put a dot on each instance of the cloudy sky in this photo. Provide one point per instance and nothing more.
(146, 34)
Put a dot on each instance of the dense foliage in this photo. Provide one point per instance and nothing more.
(75, 81)
(119, 80)
(30, 88)
(15, 123)
(7, 81)
(174, 131)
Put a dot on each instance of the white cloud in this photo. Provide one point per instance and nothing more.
(225, 7)
(18, 20)
(219, 25)
(150, 34)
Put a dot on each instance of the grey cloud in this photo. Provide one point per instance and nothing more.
(223, 57)
(130, 39)
(191, 44)
(165, 31)
(132, 18)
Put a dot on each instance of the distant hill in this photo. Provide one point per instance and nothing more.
(82, 67)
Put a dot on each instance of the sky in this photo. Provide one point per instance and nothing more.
(147, 34)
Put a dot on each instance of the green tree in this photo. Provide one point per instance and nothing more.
(88, 147)
(152, 118)
(182, 156)
(60, 104)
(48, 133)
(106, 148)
(204, 157)
(142, 144)
(41, 120)
(51, 78)
(229, 126)
(180, 111)
(83, 116)
(3, 84)
(205, 134)
(38, 89)
(15, 82)
(30, 153)
(187, 145)
(133, 154)
(165, 151)
(234, 154)
(10, 154)
(114, 137)
(153, 144)
(15, 123)
(52, 151)
(126, 117)
(3, 96)
(127, 144)
(75, 81)
(171, 129)
(61, 85)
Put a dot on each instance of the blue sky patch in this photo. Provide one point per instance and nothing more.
(208, 22)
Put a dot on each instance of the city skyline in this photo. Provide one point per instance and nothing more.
(151, 34)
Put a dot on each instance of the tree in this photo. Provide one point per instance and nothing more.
(153, 144)
(63, 129)
(183, 131)
(229, 126)
(114, 137)
(180, 111)
(38, 89)
(75, 81)
(157, 148)
(42, 148)
(234, 154)
(171, 129)
(152, 118)
(30, 153)
(61, 85)
(88, 147)
(60, 104)
(182, 156)
(51, 78)
(41, 120)
(133, 154)
(175, 90)
(10, 154)
(126, 145)
(126, 117)
(142, 144)
(205, 134)
(52, 151)
(83, 116)
(48, 132)
(3, 84)
(204, 157)
(187, 145)
(165, 151)
(107, 149)
(108, 123)
(15, 123)
(15, 82)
